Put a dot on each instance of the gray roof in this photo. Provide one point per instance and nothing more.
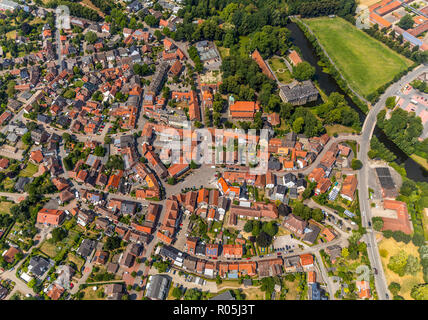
(86, 247)
(312, 236)
(299, 91)
(38, 265)
(158, 287)
(224, 296)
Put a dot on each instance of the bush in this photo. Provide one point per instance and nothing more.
(383, 253)
(356, 164)
(418, 239)
(394, 287)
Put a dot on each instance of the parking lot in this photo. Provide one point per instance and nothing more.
(286, 243)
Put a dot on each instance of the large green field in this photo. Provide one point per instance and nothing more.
(365, 62)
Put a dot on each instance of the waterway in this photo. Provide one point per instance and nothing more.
(328, 84)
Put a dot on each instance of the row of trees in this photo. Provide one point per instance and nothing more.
(307, 213)
(263, 231)
(315, 8)
(403, 128)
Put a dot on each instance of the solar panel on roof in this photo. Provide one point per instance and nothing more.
(386, 182)
(383, 172)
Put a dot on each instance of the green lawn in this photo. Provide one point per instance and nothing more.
(224, 52)
(281, 71)
(365, 62)
(29, 171)
(5, 207)
(337, 128)
(244, 43)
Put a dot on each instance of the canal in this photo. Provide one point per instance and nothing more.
(328, 84)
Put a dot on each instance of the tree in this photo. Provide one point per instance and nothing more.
(171, 181)
(151, 20)
(390, 102)
(112, 243)
(256, 228)
(107, 140)
(99, 151)
(356, 164)
(248, 227)
(394, 287)
(270, 228)
(58, 234)
(418, 239)
(398, 262)
(345, 252)
(412, 265)
(32, 283)
(177, 293)
(11, 89)
(406, 22)
(91, 37)
(263, 239)
(26, 138)
(378, 224)
(298, 124)
(303, 71)
(420, 292)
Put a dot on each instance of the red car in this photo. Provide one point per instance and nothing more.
(248, 258)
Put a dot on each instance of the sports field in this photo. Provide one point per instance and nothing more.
(365, 62)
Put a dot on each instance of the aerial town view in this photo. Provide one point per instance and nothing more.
(213, 150)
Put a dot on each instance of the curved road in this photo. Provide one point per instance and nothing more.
(367, 132)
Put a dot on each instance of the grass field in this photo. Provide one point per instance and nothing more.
(91, 294)
(29, 171)
(365, 62)
(408, 281)
(5, 207)
(277, 65)
(49, 248)
(224, 52)
(337, 128)
(11, 34)
(77, 260)
(292, 290)
(254, 294)
(8, 183)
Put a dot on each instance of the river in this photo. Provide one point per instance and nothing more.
(328, 84)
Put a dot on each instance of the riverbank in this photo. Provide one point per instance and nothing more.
(323, 56)
(421, 161)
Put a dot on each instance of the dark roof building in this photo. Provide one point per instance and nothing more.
(299, 94)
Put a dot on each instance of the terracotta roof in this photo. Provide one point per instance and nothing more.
(50, 216)
(36, 156)
(349, 186)
(401, 223)
(306, 259)
(294, 57)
